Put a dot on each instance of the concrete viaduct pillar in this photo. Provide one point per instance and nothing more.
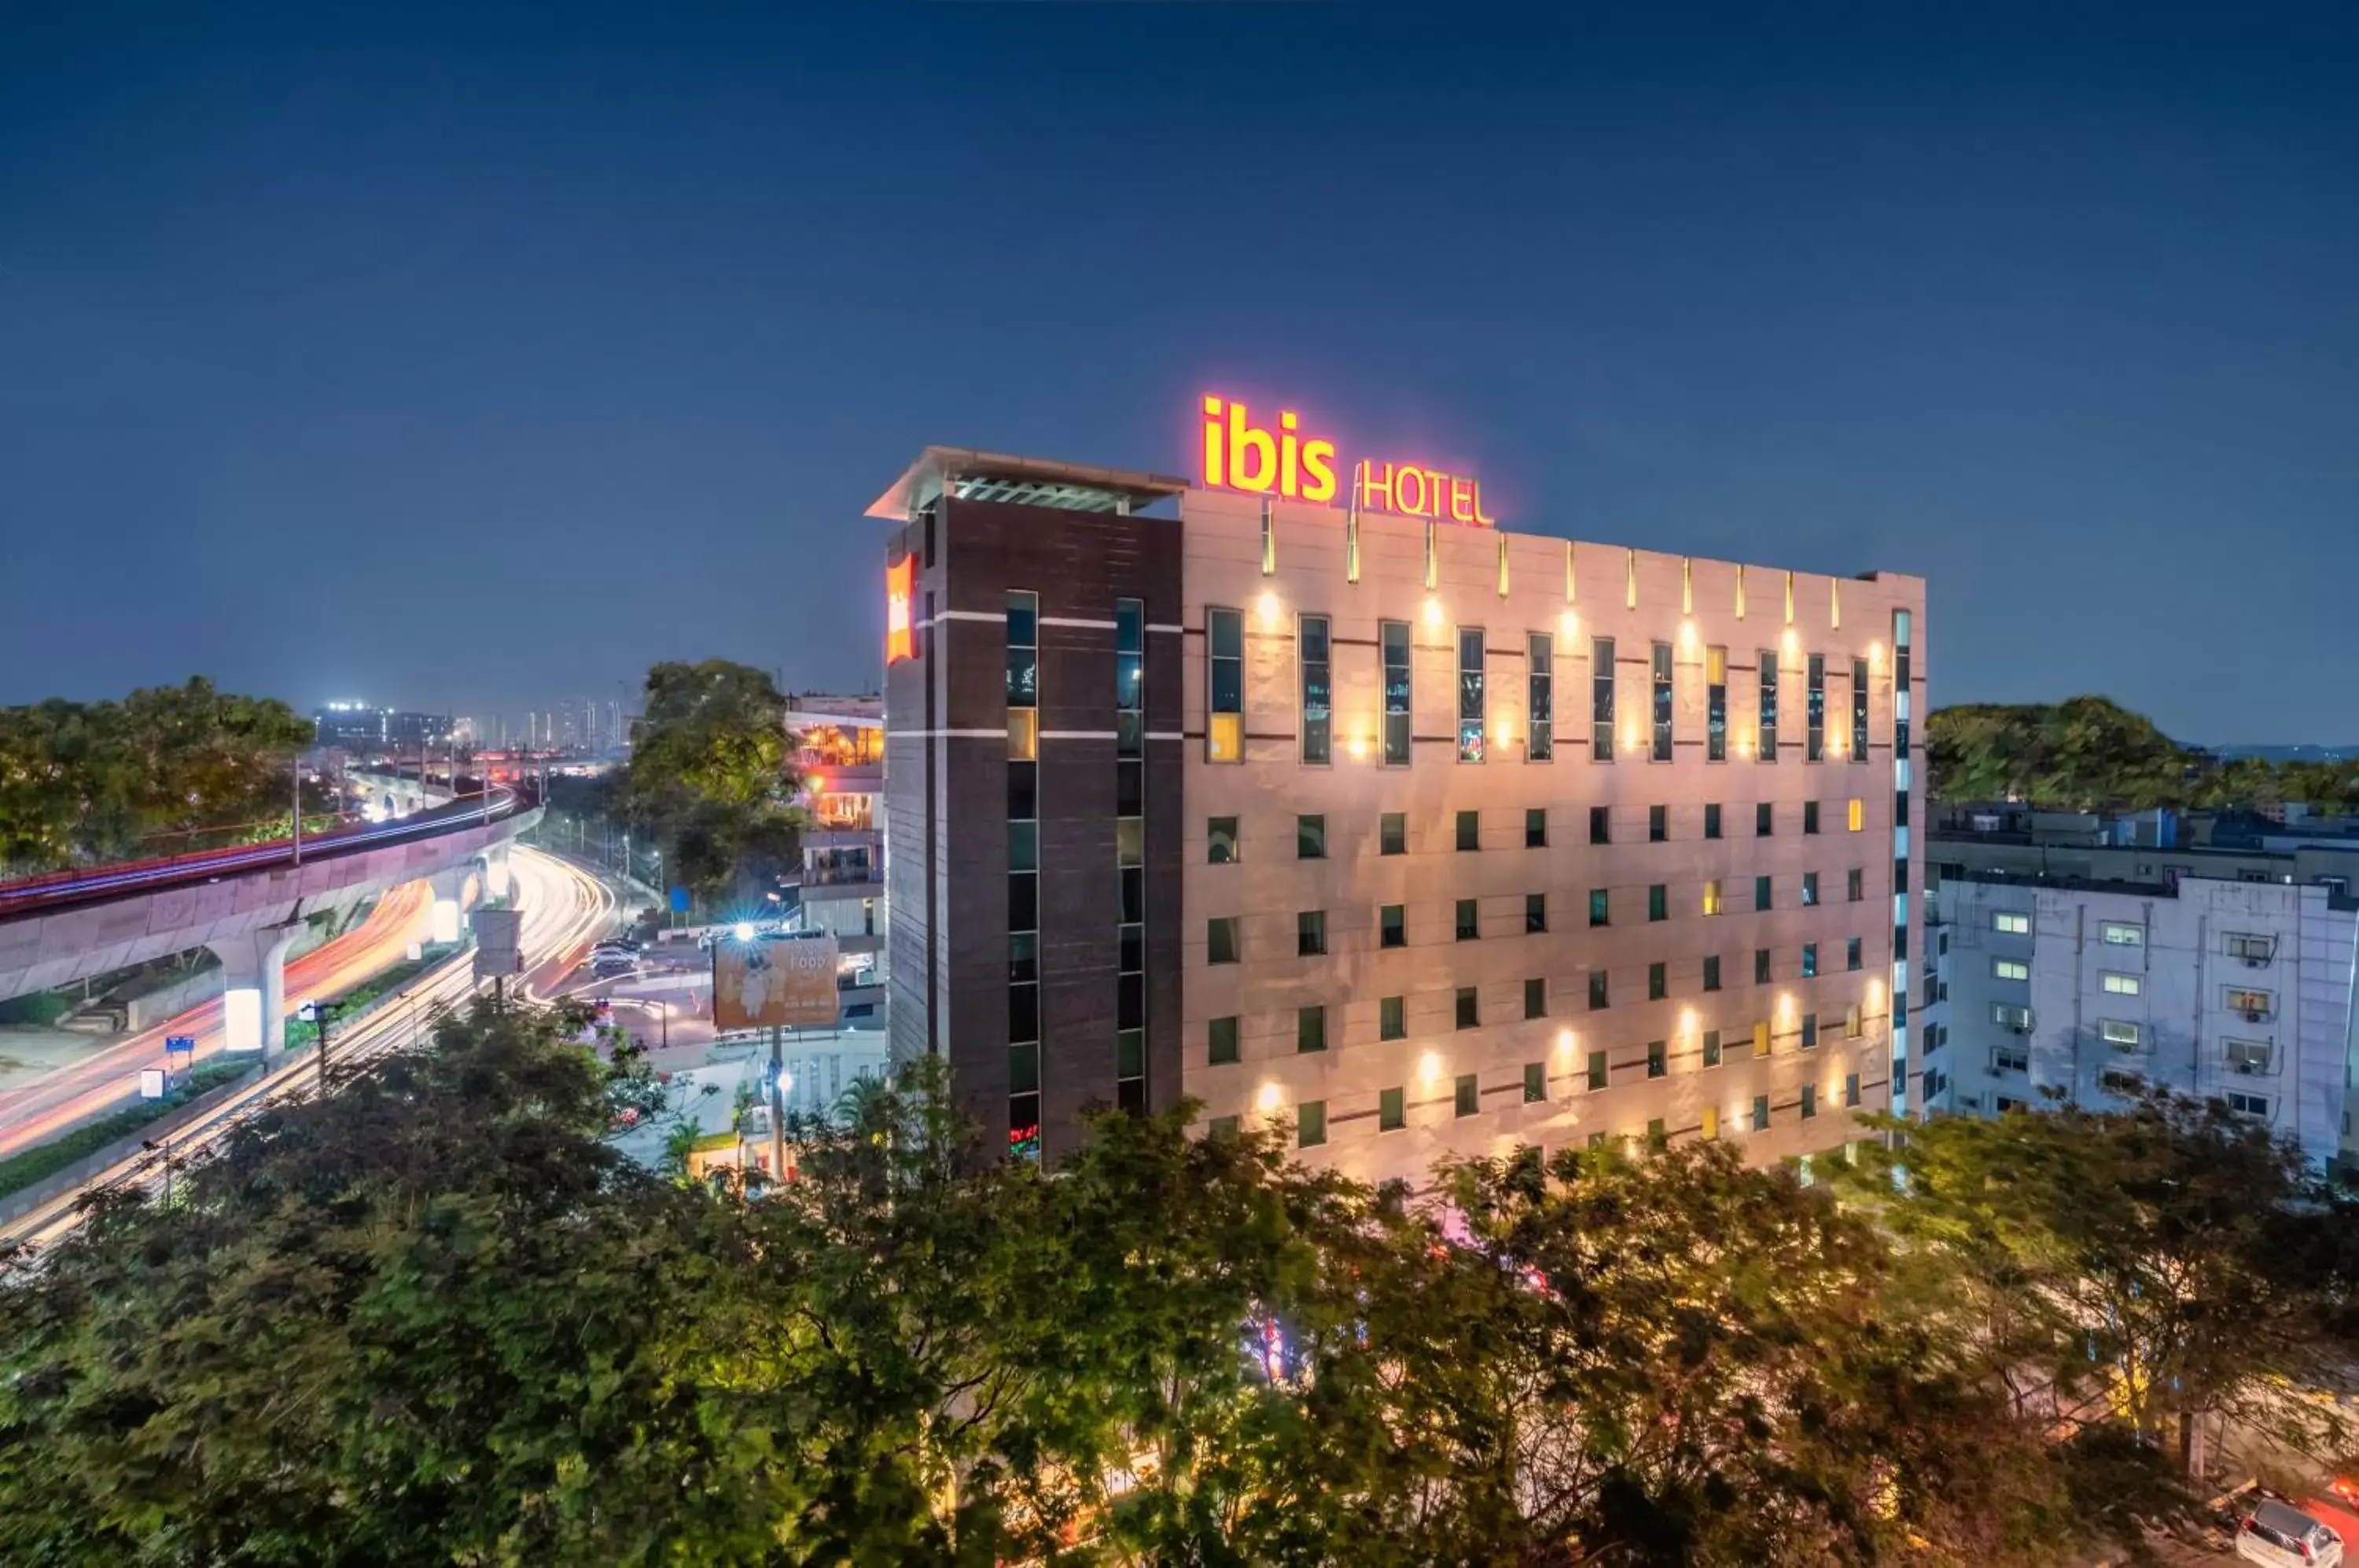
(253, 987)
(493, 864)
(449, 885)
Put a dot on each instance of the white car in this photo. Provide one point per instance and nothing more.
(2285, 1537)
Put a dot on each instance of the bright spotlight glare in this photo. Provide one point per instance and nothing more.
(742, 930)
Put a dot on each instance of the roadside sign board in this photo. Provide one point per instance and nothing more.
(679, 901)
(180, 1045)
(499, 942)
(154, 1083)
(779, 982)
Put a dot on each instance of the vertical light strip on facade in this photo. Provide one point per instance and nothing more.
(1901, 628)
(1130, 852)
(1024, 875)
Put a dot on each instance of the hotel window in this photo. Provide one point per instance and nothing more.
(1712, 971)
(1318, 689)
(2249, 1104)
(1221, 1042)
(1023, 676)
(1310, 1029)
(2120, 1034)
(1224, 729)
(1660, 663)
(1761, 1038)
(1597, 1070)
(1469, 925)
(1810, 961)
(1809, 817)
(1311, 838)
(1761, 966)
(1392, 1110)
(1712, 1048)
(1468, 1099)
(1392, 833)
(1766, 739)
(1392, 922)
(2010, 969)
(2254, 950)
(1712, 822)
(1539, 718)
(1715, 704)
(1658, 1139)
(1601, 699)
(1657, 1059)
(1221, 1127)
(2013, 1018)
(1711, 904)
(1311, 933)
(1814, 709)
(1709, 1129)
(1311, 1124)
(1469, 829)
(1598, 906)
(1851, 954)
(2248, 1056)
(1659, 902)
(1765, 819)
(1659, 981)
(1760, 1112)
(1221, 840)
(1598, 998)
(2118, 984)
(1535, 913)
(1855, 885)
(1850, 1088)
(1536, 997)
(1761, 892)
(1468, 1013)
(1130, 852)
(1392, 1018)
(1810, 888)
(1023, 878)
(1535, 1083)
(2008, 924)
(2128, 1085)
(1855, 1024)
(1810, 1100)
(1809, 1031)
(1535, 828)
(2255, 1006)
(1394, 636)
(1470, 695)
(1221, 940)
(1600, 825)
(1856, 815)
(2120, 933)
(1859, 709)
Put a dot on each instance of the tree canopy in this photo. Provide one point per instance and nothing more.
(2088, 754)
(437, 1319)
(91, 780)
(709, 774)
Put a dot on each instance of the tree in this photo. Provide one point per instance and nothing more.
(2159, 1265)
(709, 775)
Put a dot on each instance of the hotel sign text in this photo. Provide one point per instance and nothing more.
(1239, 454)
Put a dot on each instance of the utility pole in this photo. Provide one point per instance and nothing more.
(299, 807)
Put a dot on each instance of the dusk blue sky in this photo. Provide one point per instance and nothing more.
(467, 360)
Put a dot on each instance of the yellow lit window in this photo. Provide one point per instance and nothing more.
(1711, 897)
(1856, 817)
(1761, 1038)
(1711, 1123)
(1022, 734)
(1715, 666)
(1227, 737)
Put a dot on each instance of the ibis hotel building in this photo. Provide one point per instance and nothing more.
(1311, 793)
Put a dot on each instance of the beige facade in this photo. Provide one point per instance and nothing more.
(1279, 562)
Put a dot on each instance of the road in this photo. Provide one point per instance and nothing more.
(75, 1093)
(566, 911)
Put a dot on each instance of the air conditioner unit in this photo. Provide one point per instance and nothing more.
(2018, 1029)
(2253, 1015)
(2249, 1067)
(2252, 962)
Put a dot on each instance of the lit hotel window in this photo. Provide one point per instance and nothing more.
(1540, 721)
(1814, 710)
(1859, 709)
(1225, 730)
(1470, 695)
(1715, 697)
(1318, 721)
(1766, 735)
(1396, 639)
(1661, 665)
(1601, 699)
(1023, 676)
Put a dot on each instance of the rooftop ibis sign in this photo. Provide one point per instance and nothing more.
(1240, 454)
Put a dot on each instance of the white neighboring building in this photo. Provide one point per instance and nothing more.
(2235, 990)
(838, 744)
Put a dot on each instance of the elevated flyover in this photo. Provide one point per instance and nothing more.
(246, 902)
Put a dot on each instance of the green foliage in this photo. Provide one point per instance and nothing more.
(28, 1166)
(2088, 754)
(437, 1319)
(709, 775)
(83, 780)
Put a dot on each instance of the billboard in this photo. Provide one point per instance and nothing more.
(775, 982)
(499, 943)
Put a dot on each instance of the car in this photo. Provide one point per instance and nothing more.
(605, 963)
(2282, 1535)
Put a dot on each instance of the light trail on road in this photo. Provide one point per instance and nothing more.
(565, 910)
(73, 1094)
